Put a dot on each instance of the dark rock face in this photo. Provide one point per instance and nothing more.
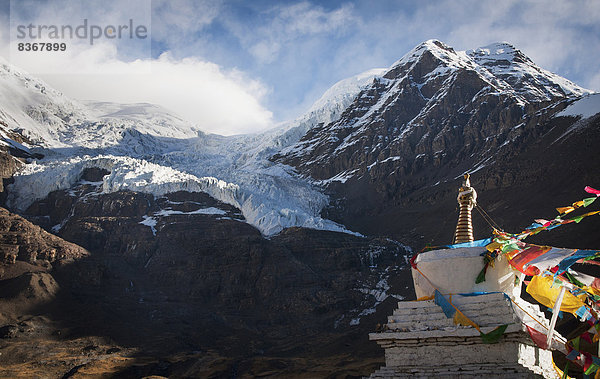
(217, 265)
(8, 166)
(392, 162)
(421, 114)
(23, 242)
(166, 278)
(29, 260)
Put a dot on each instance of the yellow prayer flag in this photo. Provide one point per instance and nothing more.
(590, 213)
(541, 289)
(565, 210)
(461, 319)
(493, 246)
(592, 290)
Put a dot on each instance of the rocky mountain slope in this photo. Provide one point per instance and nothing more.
(393, 159)
(181, 279)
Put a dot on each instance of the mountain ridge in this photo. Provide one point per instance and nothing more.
(423, 71)
(433, 116)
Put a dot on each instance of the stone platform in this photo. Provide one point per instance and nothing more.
(420, 341)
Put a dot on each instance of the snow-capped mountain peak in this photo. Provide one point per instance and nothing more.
(506, 69)
(433, 47)
(497, 54)
(423, 99)
(341, 94)
(34, 108)
(528, 80)
(53, 120)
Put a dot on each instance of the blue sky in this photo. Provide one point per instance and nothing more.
(240, 66)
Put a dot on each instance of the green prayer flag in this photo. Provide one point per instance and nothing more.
(493, 336)
(565, 374)
(588, 201)
(573, 280)
(592, 369)
(480, 277)
(510, 247)
(576, 342)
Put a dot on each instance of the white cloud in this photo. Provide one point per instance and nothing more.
(284, 25)
(218, 101)
(563, 37)
(265, 51)
(305, 18)
(594, 83)
(179, 22)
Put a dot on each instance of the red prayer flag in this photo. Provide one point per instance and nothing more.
(587, 336)
(537, 337)
(589, 189)
(588, 360)
(526, 256)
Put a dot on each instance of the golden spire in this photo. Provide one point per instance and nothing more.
(467, 199)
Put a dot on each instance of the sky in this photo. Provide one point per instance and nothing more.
(234, 66)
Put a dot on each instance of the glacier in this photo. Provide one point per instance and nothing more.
(147, 149)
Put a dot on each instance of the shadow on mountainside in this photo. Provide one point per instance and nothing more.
(204, 296)
(545, 167)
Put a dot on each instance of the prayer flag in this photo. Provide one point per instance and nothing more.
(526, 256)
(565, 210)
(541, 289)
(445, 304)
(493, 336)
(549, 259)
(591, 369)
(511, 246)
(478, 243)
(570, 261)
(573, 354)
(493, 246)
(461, 319)
(589, 189)
(538, 337)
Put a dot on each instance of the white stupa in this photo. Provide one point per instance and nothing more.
(420, 340)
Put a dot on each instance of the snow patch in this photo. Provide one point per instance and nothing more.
(585, 107)
(341, 177)
(380, 294)
(201, 211)
(150, 222)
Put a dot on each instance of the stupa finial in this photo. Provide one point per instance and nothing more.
(467, 199)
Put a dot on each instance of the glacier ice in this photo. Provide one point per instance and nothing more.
(147, 149)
